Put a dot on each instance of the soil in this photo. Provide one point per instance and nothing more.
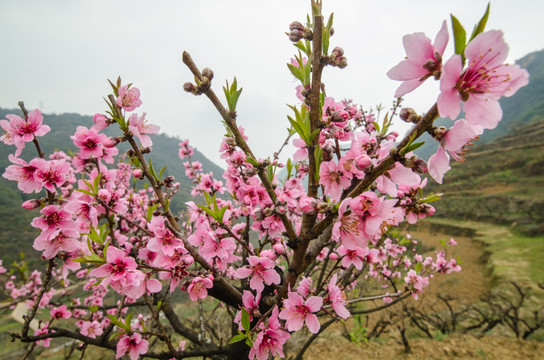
(453, 347)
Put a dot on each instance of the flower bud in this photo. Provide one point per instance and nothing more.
(230, 141)
(408, 114)
(250, 172)
(420, 166)
(296, 35)
(189, 87)
(31, 204)
(208, 73)
(295, 25)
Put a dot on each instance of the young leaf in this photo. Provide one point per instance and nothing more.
(237, 338)
(245, 319)
(296, 71)
(152, 171)
(418, 267)
(480, 27)
(459, 37)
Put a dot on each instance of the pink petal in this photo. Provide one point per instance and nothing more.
(314, 303)
(441, 39)
(439, 164)
(312, 323)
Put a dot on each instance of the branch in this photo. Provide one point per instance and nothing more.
(230, 120)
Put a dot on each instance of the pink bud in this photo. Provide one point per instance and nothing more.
(279, 249)
(333, 256)
(31, 204)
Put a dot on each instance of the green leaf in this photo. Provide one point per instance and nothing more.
(118, 323)
(317, 155)
(327, 35)
(206, 210)
(116, 334)
(221, 214)
(152, 171)
(93, 309)
(232, 94)
(85, 192)
(459, 37)
(237, 338)
(300, 131)
(96, 183)
(270, 172)
(161, 172)
(418, 267)
(412, 147)
(480, 27)
(430, 198)
(150, 211)
(296, 71)
(289, 167)
(245, 319)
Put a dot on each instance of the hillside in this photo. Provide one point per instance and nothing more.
(17, 235)
(519, 110)
(501, 182)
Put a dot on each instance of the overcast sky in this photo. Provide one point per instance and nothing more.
(57, 55)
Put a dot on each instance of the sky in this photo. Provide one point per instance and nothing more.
(57, 56)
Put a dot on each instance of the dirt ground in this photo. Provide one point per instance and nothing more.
(454, 347)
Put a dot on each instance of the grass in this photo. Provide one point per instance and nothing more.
(513, 257)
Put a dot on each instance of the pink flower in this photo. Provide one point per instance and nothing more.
(118, 269)
(24, 174)
(416, 282)
(52, 173)
(261, 271)
(60, 312)
(18, 131)
(139, 127)
(89, 142)
(336, 298)
(453, 142)
(129, 99)
(423, 60)
(297, 312)
(100, 122)
(185, 150)
(348, 228)
(333, 179)
(270, 340)
(197, 287)
(134, 345)
(60, 240)
(91, 329)
(482, 84)
(55, 218)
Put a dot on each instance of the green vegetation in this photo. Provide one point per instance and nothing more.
(510, 256)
